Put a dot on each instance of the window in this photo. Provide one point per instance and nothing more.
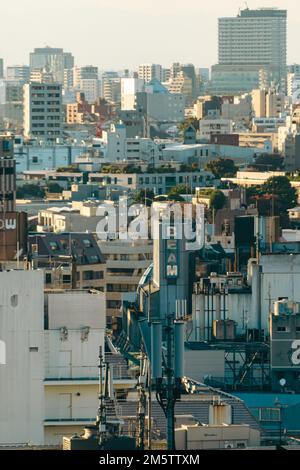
(98, 274)
(88, 275)
(66, 279)
(281, 329)
(87, 243)
(269, 414)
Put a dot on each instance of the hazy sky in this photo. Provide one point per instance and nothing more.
(123, 33)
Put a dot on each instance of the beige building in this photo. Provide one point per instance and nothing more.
(181, 84)
(261, 140)
(148, 72)
(267, 103)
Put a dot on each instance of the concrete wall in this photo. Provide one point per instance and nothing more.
(76, 309)
(21, 379)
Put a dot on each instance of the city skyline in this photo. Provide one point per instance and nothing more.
(91, 40)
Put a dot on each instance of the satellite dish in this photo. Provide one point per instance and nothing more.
(282, 382)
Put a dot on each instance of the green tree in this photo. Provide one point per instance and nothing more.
(281, 188)
(268, 162)
(179, 189)
(55, 188)
(30, 191)
(217, 199)
(222, 167)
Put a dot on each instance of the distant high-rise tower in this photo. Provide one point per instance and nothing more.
(51, 59)
(250, 43)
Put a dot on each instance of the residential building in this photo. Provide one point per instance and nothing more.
(208, 127)
(86, 80)
(69, 260)
(267, 103)
(1, 68)
(111, 87)
(43, 117)
(118, 147)
(126, 261)
(129, 88)
(148, 72)
(182, 84)
(161, 182)
(74, 331)
(158, 104)
(11, 102)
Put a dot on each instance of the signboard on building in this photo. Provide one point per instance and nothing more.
(285, 354)
(172, 259)
(8, 235)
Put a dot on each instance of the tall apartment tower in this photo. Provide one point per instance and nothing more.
(253, 42)
(148, 72)
(43, 113)
(1, 68)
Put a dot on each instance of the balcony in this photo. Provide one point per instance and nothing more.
(87, 375)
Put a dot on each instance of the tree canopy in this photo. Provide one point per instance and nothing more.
(217, 199)
(222, 167)
(281, 187)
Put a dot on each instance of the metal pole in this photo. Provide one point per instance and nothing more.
(149, 407)
(170, 388)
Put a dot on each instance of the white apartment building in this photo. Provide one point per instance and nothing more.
(49, 384)
(148, 72)
(91, 89)
(74, 331)
(129, 87)
(117, 147)
(43, 114)
(21, 378)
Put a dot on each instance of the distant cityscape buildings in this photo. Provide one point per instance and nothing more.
(150, 248)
